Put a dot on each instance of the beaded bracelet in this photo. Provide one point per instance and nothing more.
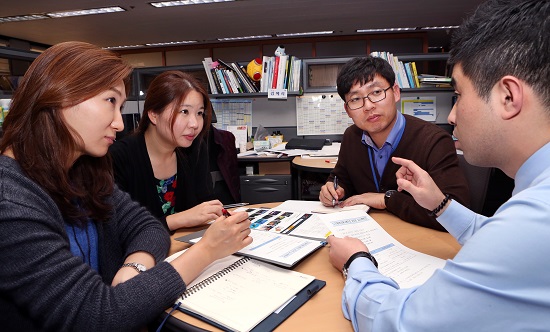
(441, 206)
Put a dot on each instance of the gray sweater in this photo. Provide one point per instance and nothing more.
(43, 286)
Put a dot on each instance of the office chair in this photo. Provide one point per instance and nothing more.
(478, 181)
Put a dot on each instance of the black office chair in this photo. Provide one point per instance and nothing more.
(478, 181)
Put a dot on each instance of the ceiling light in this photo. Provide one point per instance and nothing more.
(385, 30)
(184, 2)
(172, 43)
(243, 38)
(122, 47)
(445, 27)
(22, 18)
(104, 10)
(304, 33)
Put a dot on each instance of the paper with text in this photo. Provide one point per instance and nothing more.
(287, 222)
(318, 207)
(407, 267)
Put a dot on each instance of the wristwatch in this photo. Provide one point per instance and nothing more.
(139, 267)
(353, 257)
(387, 196)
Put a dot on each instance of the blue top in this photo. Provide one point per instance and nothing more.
(83, 243)
(380, 157)
(498, 281)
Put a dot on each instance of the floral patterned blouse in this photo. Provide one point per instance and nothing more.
(166, 189)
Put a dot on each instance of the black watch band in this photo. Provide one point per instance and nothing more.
(357, 255)
(387, 196)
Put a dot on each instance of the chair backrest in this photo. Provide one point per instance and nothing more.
(478, 181)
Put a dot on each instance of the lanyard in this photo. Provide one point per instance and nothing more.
(377, 177)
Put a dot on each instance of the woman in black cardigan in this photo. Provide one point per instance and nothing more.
(151, 165)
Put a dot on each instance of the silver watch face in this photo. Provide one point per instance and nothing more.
(140, 267)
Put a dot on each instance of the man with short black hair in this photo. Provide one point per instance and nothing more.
(499, 280)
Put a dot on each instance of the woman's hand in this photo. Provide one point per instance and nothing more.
(195, 216)
(224, 237)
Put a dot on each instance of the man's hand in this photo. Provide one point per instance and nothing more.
(341, 249)
(374, 200)
(418, 183)
(328, 194)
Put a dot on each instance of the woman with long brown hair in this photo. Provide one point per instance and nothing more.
(76, 252)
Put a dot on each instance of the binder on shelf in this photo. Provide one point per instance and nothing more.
(242, 294)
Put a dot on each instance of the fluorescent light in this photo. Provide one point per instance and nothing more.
(243, 38)
(445, 27)
(122, 47)
(22, 18)
(94, 11)
(304, 33)
(385, 30)
(184, 3)
(172, 43)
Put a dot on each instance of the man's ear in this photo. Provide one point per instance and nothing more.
(510, 94)
(396, 92)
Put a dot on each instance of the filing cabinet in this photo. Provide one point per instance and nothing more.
(266, 188)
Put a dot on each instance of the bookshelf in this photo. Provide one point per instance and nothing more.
(319, 74)
(13, 64)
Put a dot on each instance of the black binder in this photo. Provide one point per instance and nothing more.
(305, 143)
(275, 319)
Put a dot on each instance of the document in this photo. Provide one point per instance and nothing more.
(279, 249)
(238, 293)
(407, 267)
(318, 207)
(291, 222)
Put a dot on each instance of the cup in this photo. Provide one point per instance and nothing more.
(242, 147)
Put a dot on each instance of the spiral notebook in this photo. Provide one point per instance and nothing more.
(242, 294)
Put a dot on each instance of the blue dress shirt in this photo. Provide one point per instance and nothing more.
(498, 281)
(380, 156)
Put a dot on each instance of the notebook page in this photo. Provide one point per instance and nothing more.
(246, 295)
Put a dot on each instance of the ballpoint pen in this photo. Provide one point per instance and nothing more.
(335, 187)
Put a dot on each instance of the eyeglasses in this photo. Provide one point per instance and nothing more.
(374, 97)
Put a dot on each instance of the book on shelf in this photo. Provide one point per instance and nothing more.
(406, 75)
(226, 78)
(280, 72)
(242, 294)
(207, 64)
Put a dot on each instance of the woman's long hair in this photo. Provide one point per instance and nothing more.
(63, 76)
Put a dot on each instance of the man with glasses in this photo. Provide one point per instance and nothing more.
(365, 174)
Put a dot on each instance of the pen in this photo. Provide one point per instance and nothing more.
(335, 187)
(226, 213)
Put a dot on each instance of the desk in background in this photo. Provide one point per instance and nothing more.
(320, 167)
(323, 311)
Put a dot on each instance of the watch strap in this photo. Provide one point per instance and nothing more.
(137, 266)
(361, 254)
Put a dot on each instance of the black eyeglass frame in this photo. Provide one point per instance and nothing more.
(367, 97)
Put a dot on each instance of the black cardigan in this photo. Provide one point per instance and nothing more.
(134, 174)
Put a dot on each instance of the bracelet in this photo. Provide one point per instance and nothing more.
(435, 211)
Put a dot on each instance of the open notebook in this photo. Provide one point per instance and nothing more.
(242, 294)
